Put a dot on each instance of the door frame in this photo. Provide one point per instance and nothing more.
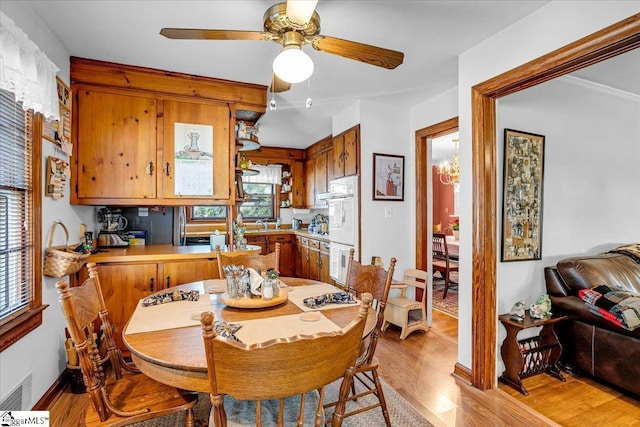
(616, 39)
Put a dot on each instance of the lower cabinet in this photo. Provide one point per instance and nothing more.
(181, 272)
(124, 284)
(312, 259)
(268, 244)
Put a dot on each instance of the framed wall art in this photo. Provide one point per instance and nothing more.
(522, 196)
(388, 177)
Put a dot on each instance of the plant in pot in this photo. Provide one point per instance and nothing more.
(455, 227)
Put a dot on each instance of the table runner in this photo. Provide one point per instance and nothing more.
(171, 315)
(261, 330)
(297, 295)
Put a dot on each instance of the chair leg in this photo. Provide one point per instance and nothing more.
(383, 403)
(446, 284)
(347, 382)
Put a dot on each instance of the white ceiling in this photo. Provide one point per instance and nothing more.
(430, 33)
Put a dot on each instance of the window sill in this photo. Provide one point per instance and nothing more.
(17, 328)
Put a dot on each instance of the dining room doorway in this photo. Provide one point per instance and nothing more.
(435, 202)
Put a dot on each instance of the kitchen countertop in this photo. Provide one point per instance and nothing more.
(156, 253)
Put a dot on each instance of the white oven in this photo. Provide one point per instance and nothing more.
(339, 261)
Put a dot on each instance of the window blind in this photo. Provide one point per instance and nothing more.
(16, 239)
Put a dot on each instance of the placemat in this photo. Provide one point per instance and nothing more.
(261, 330)
(171, 315)
(298, 294)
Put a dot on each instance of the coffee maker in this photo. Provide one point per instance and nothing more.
(112, 224)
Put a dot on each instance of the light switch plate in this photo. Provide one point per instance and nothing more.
(387, 212)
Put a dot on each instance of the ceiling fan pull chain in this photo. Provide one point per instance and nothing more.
(309, 101)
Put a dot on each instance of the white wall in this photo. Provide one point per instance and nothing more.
(548, 28)
(591, 199)
(41, 353)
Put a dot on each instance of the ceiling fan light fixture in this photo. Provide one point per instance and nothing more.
(293, 65)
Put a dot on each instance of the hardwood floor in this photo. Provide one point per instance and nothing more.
(420, 369)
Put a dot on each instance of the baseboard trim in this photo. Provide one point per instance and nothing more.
(52, 393)
(462, 373)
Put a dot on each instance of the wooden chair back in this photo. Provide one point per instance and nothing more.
(417, 279)
(257, 262)
(376, 281)
(83, 306)
(119, 400)
(278, 368)
(440, 248)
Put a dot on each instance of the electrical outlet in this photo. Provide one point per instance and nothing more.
(387, 212)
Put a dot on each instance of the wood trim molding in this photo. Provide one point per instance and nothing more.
(462, 373)
(611, 41)
(52, 392)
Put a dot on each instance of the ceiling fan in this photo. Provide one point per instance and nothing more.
(294, 24)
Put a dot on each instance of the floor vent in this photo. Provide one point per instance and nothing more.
(18, 397)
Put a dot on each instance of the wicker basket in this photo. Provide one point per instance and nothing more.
(61, 261)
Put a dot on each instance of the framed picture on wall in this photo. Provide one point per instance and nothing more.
(522, 196)
(388, 177)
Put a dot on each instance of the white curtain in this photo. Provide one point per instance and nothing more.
(26, 71)
(268, 174)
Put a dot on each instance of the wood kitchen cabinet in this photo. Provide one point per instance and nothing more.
(181, 272)
(149, 137)
(346, 148)
(298, 185)
(267, 243)
(318, 170)
(122, 156)
(123, 285)
(116, 150)
(195, 150)
(312, 259)
(287, 264)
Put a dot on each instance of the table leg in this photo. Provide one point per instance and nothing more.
(512, 359)
(548, 335)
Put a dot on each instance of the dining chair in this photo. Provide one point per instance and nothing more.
(408, 314)
(442, 261)
(280, 368)
(117, 398)
(255, 261)
(375, 280)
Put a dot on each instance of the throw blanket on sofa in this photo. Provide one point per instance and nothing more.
(619, 307)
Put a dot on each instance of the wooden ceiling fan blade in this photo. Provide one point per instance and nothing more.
(300, 11)
(201, 34)
(278, 85)
(373, 55)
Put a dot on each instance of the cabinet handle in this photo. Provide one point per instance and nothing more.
(150, 169)
(166, 170)
(168, 281)
(152, 282)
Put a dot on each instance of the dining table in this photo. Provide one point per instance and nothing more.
(453, 245)
(165, 340)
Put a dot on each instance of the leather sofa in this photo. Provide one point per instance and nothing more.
(591, 343)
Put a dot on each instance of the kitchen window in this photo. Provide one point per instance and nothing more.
(208, 213)
(259, 201)
(20, 224)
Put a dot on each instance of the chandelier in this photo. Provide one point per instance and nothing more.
(450, 172)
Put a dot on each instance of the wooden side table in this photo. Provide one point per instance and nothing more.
(530, 356)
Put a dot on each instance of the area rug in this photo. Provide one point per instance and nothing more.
(243, 413)
(450, 304)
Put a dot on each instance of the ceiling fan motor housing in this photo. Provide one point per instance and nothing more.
(276, 21)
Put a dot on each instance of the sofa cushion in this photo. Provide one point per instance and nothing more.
(616, 270)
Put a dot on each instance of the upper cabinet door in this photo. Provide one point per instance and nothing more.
(351, 151)
(116, 145)
(196, 150)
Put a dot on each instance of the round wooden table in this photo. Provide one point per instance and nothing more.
(176, 356)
